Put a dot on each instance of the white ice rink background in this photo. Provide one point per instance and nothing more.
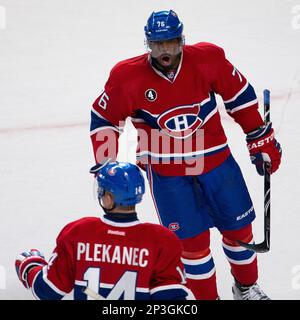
(55, 57)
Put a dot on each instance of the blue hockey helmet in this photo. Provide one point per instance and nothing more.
(163, 25)
(124, 180)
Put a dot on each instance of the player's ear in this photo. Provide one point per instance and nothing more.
(109, 200)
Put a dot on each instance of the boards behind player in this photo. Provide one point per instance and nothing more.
(115, 256)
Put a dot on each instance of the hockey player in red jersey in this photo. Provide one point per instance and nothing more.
(196, 184)
(113, 257)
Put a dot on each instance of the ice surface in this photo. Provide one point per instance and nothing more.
(54, 59)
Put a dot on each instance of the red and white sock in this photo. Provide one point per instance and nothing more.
(243, 262)
(199, 267)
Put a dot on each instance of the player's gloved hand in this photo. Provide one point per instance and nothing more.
(27, 260)
(96, 168)
(263, 147)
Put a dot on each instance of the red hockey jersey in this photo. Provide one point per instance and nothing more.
(178, 122)
(118, 260)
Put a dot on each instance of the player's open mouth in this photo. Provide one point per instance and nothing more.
(165, 59)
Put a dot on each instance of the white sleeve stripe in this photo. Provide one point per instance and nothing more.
(81, 283)
(50, 284)
(103, 128)
(100, 116)
(202, 103)
(210, 115)
(151, 114)
(243, 106)
(144, 290)
(255, 131)
(260, 134)
(238, 94)
(138, 120)
(168, 287)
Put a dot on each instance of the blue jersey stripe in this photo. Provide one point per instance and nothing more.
(200, 268)
(148, 118)
(42, 290)
(239, 255)
(168, 294)
(205, 110)
(245, 97)
(97, 122)
(208, 107)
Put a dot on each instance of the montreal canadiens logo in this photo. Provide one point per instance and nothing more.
(174, 226)
(180, 122)
(151, 95)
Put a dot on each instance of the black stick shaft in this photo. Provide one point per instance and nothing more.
(266, 106)
(267, 178)
(265, 245)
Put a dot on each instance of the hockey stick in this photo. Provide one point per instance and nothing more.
(265, 245)
(91, 293)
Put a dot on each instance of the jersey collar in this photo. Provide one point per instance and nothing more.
(127, 221)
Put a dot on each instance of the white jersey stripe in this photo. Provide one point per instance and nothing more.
(238, 94)
(103, 128)
(50, 284)
(110, 286)
(243, 106)
(168, 287)
(196, 261)
(81, 283)
(100, 116)
(180, 155)
(210, 115)
(138, 120)
(235, 249)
